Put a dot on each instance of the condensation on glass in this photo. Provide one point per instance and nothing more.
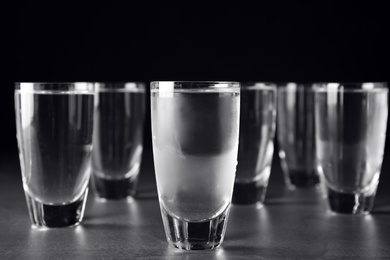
(195, 127)
(256, 145)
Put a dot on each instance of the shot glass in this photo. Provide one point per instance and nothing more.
(256, 142)
(295, 134)
(351, 121)
(54, 132)
(118, 139)
(195, 127)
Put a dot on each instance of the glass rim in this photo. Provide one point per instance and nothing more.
(285, 88)
(374, 90)
(54, 87)
(207, 86)
(123, 86)
(337, 87)
(54, 82)
(195, 81)
(365, 87)
(283, 84)
(258, 86)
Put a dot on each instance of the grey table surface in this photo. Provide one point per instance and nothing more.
(292, 225)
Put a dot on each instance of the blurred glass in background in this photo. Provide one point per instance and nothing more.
(295, 134)
(195, 129)
(256, 145)
(118, 139)
(54, 132)
(351, 122)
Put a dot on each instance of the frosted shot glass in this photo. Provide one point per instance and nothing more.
(351, 121)
(54, 133)
(195, 127)
(296, 136)
(118, 139)
(256, 142)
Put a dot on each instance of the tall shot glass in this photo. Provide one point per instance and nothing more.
(256, 142)
(54, 132)
(118, 139)
(295, 134)
(195, 127)
(351, 121)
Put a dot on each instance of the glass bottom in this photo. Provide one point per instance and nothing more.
(248, 193)
(350, 203)
(53, 216)
(115, 188)
(301, 179)
(195, 235)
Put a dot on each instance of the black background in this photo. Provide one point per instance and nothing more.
(183, 41)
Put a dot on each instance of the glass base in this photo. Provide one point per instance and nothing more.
(53, 216)
(195, 235)
(301, 179)
(350, 203)
(113, 188)
(248, 193)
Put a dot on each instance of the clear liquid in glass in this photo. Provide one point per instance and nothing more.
(195, 136)
(350, 146)
(296, 137)
(256, 144)
(55, 144)
(118, 139)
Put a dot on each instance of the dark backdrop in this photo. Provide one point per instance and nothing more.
(183, 41)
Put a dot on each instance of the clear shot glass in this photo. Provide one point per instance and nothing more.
(351, 121)
(195, 127)
(256, 142)
(118, 139)
(296, 136)
(54, 132)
